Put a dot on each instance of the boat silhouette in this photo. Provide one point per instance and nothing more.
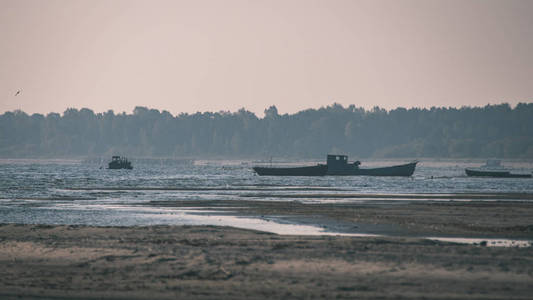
(493, 168)
(118, 162)
(338, 165)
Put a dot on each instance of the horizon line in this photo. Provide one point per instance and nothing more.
(365, 109)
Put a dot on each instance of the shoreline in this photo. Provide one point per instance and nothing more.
(474, 219)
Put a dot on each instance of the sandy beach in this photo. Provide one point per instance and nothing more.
(210, 262)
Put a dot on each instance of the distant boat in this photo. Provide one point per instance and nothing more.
(499, 173)
(118, 162)
(318, 170)
(493, 168)
(338, 165)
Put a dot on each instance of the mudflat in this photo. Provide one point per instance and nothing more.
(206, 262)
(210, 262)
(463, 217)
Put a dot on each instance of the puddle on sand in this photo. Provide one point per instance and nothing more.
(267, 225)
(191, 218)
(297, 229)
(117, 215)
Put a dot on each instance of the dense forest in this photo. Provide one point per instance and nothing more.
(498, 131)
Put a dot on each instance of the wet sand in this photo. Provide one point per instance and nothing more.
(210, 262)
(491, 219)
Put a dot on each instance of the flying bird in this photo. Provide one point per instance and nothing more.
(18, 92)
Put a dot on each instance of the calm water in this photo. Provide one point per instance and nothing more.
(74, 192)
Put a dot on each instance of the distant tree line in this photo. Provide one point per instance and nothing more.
(498, 131)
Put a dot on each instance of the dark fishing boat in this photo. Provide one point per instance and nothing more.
(118, 162)
(338, 165)
(498, 174)
(318, 170)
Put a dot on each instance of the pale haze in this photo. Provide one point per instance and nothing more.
(188, 56)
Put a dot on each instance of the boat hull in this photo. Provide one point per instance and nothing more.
(399, 170)
(113, 167)
(318, 170)
(497, 174)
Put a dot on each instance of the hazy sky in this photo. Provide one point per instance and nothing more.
(188, 56)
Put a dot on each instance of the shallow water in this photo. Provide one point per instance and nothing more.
(73, 192)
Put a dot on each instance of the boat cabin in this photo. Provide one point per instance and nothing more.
(118, 162)
(492, 164)
(340, 162)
